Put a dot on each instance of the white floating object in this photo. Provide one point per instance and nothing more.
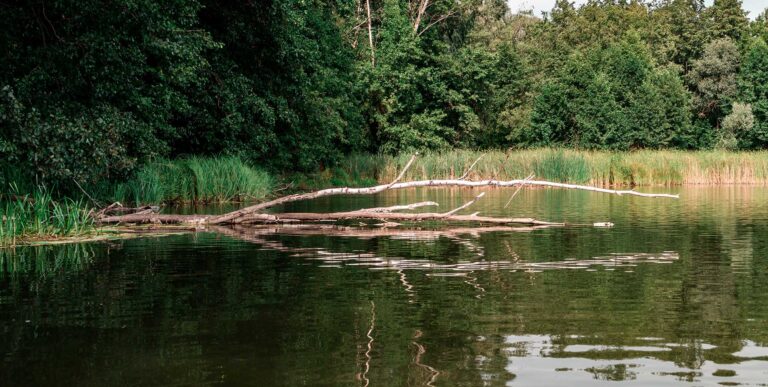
(603, 224)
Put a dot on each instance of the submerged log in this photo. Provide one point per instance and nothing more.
(255, 214)
(420, 217)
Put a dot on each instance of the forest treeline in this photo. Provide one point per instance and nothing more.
(91, 90)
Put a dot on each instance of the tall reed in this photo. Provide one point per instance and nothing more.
(601, 168)
(39, 216)
(195, 179)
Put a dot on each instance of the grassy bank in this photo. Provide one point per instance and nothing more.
(665, 167)
(195, 179)
(28, 218)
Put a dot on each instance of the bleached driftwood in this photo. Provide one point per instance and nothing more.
(399, 208)
(255, 213)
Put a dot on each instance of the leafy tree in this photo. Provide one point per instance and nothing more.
(735, 125)
(104, 78)
(714, 78)
(599, 117)
(759, 27)
(726, 19)
(493, 90)
(681, 30)
(660, 111)
(551, 122)
(91, 90)
(283, 92)
(403, 85)
(626, 63)
(753, 84)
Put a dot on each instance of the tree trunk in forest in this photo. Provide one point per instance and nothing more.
(370, 33)
(419, 13)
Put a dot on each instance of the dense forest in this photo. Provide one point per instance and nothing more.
(90, 90)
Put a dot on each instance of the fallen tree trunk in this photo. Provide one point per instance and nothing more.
(376, 213)
(254, 214)
(419, 217)
(362, 232)
(233, 216)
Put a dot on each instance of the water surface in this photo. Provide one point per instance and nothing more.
(675, 294)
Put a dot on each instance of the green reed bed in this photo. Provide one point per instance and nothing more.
(195, 179)
(646, 167)
(38, 217)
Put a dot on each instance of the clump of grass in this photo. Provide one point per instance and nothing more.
(38, 216)
(563, 167)
(601, 168)
(195, 179)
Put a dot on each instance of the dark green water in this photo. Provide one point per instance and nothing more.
(675, 294)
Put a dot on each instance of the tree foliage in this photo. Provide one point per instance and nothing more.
(735, 125)
(714, 78)
(91, 90)
(754, 90)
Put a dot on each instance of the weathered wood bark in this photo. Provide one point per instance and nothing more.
(293, 217)
(422, 7)
(156, 218)
(233, 216)
(255, 213)
(370, 33)
(363, 232)
(399, 208)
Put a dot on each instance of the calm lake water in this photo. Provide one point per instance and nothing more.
(675, 294)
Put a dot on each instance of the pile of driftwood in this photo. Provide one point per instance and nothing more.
(255, 214)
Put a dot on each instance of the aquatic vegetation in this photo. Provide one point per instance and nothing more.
(195, 179)
(603, 168)
(38, 216)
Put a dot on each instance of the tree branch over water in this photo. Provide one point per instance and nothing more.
(255, 213)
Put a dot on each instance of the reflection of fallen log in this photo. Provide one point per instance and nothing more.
(260, 234)
(244, 232)
(254, 214)
(263, 236)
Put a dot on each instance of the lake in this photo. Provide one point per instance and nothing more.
(675, 294)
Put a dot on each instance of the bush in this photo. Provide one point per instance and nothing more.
(736, 126)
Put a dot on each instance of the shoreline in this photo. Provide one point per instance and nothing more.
(597, 168)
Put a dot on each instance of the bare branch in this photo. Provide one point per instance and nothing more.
(423, 4)
(370, 33)
(244, 232)
(297, 217)
(467, 204)
(470, 167)
(441, 18)
(399, 208)
(232, 216)
(252, 212)
(518, 189)
(405, 169)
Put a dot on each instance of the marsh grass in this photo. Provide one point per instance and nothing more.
(38, 216)
(639, 168)
(197, 180)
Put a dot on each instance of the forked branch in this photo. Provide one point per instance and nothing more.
(254, 214)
